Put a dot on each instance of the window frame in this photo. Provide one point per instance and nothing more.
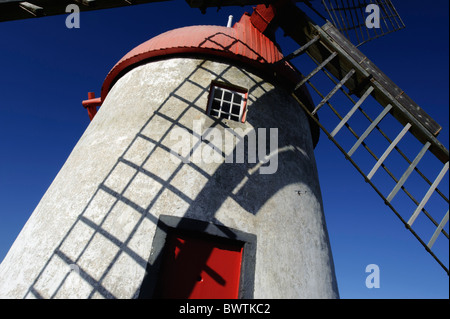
(226, 87)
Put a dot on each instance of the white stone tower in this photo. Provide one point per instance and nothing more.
(196, 178)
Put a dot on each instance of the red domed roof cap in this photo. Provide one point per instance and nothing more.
(242, 42)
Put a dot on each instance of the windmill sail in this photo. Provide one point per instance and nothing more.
(351, 18)
(394, 123)
(18, 9)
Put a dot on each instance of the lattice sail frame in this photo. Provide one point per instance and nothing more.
(392, 124)
(349, 17)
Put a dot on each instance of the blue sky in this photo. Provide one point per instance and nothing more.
(47, 70)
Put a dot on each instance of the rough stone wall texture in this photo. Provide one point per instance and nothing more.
(91, 234)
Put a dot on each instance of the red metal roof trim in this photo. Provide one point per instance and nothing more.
(242, 42)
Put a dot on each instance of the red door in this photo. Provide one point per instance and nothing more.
(199, 268)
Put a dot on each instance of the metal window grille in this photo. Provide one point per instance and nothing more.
(227, 104)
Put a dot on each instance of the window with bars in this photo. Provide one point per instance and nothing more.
(227, 102)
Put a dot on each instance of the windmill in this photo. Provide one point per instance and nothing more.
(348, 68)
